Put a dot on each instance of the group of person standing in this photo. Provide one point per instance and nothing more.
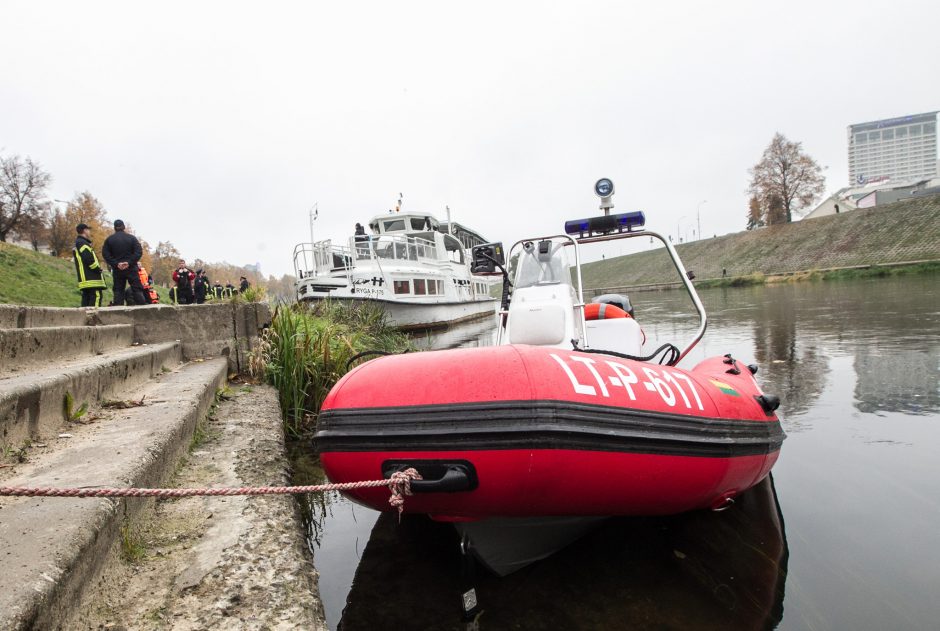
(196, 288)
(132, 284)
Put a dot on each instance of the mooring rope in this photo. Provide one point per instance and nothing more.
(399, 484)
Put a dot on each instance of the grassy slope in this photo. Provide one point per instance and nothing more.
(33, 278)
(908, 230)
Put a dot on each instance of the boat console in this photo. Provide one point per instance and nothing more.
(544, 305)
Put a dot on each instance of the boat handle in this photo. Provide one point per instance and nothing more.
(454, 479)
(437, 476)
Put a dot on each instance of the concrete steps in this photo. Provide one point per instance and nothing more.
(50, 547)
(23, 349)
(19, 317)
(32, 404)
(173, 359)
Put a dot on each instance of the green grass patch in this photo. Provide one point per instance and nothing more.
(736, 281)
(306, 349)
(132, 547)
(34, 278)
(883, 271)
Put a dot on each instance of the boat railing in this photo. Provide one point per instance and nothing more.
(393, 248)
(579, 285)
(684, 276)
(321, 257)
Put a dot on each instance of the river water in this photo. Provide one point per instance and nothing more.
(846, 534)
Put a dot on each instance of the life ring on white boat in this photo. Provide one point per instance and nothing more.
(603, 311)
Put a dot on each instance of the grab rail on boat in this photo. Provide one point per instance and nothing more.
(683, 274)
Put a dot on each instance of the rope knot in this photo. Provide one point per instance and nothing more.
(400, 485)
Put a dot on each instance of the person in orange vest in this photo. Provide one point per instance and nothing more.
(149, 293)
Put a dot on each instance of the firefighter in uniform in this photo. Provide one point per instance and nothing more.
(122, 251)
(87, 268)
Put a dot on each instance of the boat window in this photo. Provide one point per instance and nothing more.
(432, 287)
(401, 286)
(454, 249)
(421, 223)
(420, 287)
(394, 224)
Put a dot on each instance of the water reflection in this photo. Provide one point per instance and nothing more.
(889, 381)
(700, 570)
(471, 334)
(857, 366)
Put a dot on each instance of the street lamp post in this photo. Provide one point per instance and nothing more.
(698, 216)
(678, 229)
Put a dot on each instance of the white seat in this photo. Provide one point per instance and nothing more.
(621, 335)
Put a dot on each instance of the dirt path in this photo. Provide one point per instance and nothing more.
(216, 563)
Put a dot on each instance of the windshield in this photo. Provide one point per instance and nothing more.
(542, 263)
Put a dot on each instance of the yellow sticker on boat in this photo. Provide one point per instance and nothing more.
(724, 387)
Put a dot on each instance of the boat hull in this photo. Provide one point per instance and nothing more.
(560, 482)
(423, 315)
(544, 432)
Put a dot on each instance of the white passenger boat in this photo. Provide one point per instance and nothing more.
(416, 267)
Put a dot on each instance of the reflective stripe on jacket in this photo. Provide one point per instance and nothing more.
(87, 268)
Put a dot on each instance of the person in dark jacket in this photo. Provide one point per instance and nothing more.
(184, 277)
(201, 286)
(229, 291)
(122, 251)
(87, 268)
(218, 291)
(243, 285)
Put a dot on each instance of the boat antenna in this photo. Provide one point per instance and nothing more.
(398, 205)
(450, 224)
(314, 213)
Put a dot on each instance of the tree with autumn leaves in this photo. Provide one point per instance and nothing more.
(786, 181)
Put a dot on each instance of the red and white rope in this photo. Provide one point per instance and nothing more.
(399, 484)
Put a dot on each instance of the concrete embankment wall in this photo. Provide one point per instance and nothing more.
(112, 397)
(229, 329)
(906, 231)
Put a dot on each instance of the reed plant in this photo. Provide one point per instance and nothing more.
(306, 350)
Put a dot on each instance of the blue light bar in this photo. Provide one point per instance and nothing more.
(606, 224)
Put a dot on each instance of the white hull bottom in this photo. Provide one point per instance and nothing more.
(508, 544)
(410, 315)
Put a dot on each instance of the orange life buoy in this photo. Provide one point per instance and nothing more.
(602, 311)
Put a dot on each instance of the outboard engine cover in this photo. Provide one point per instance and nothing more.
(618, 300)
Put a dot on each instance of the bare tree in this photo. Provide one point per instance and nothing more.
(33, 226)
(22, 189)
(785, 181)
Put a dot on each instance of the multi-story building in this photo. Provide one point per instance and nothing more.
(896, 149)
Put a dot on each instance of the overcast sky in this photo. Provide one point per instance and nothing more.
(217, 126)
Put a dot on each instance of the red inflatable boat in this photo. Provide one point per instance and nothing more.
(569, 416)
(524, 430)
